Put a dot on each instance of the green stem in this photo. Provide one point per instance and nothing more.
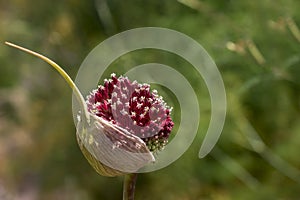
(61, 72)
(129, 186)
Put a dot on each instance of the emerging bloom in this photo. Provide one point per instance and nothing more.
(128, 123)
(135, 108)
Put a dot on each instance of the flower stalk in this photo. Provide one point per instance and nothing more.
(129, 186)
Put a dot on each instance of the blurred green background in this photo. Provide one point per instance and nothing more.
(256, 46)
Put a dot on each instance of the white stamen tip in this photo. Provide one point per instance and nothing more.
(123, 112)
(113, 106)
(119, 102)
(133, 114)
(139, 105)
(124, 96)
(142, 98)
(114, 94)
(101, 87)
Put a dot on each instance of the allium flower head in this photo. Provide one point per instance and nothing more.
(132, 106)
(128, 123)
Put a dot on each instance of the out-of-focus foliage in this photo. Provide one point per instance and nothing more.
(255, 44)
